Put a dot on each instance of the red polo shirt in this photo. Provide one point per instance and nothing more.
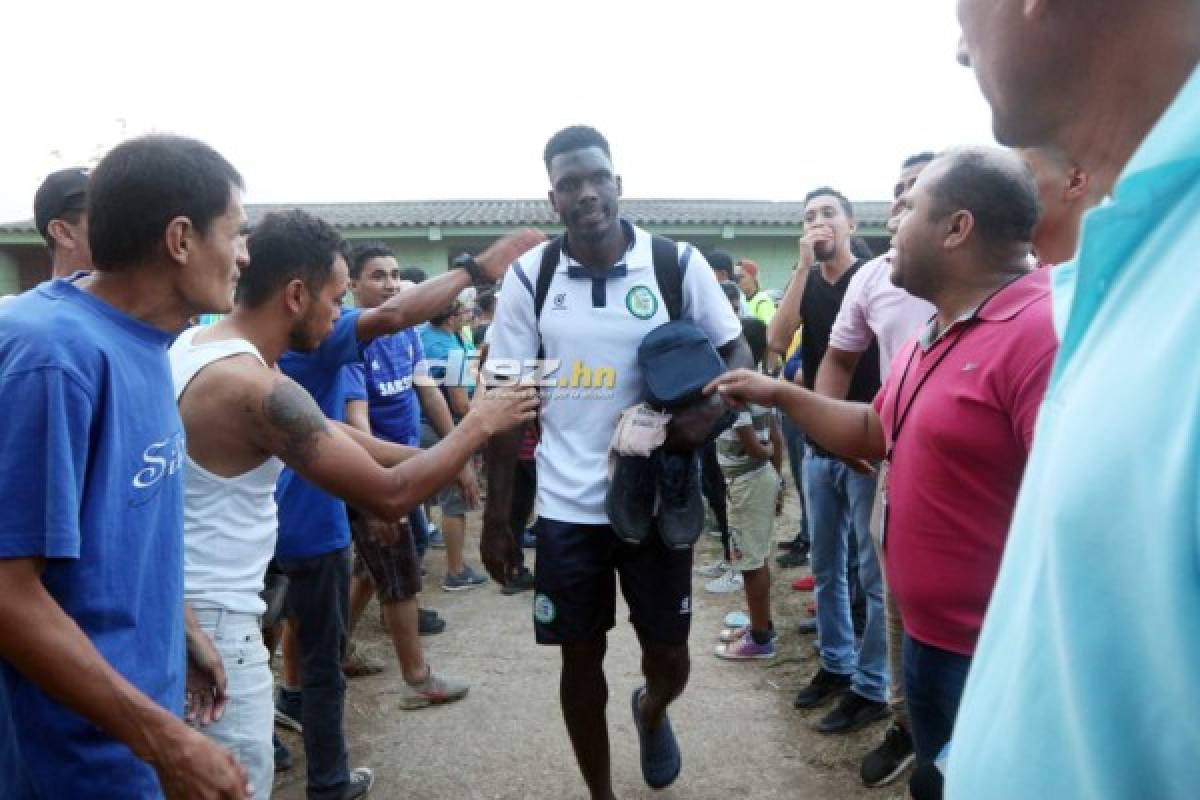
(958, 458)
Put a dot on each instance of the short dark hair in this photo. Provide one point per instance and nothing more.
(720, 260)
(924, 157)
(486, 299)
(143, 184)
(847, 206)
(576, 137)
(732, 293)
(413, 274)
(447, 312)
(365, 252)
(755, 331)
(1002, 197)
(860, 247)
(284, 246)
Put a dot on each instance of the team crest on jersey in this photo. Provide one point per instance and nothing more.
(544, 610)
(641, 302)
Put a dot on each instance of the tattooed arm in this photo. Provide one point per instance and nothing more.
(294, 428)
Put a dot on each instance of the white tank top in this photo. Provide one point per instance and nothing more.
(229, 524)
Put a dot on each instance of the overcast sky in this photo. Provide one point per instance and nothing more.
(343, 101)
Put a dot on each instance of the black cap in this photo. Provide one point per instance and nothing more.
(62, 191)
(720, 260)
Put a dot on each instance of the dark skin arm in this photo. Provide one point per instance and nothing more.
(836, 372)
(751, 444)
(833, 380)
(44, 644)
(689, 429)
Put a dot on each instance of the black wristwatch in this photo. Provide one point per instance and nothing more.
(467, 262)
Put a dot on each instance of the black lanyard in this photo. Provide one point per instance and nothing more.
(898, 417)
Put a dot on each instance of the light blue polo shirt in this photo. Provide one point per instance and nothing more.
(1086, 681)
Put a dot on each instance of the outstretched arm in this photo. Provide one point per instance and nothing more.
(852, 430)
(418, 303)
(293, 428)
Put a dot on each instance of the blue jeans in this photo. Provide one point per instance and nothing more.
(836, 493)
(793, 438)
(318, 604)
(933, 685)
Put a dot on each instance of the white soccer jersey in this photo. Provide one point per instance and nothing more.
(592, 329)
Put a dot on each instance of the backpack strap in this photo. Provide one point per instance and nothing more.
(669, 268)
(546, 269)
(550, 257)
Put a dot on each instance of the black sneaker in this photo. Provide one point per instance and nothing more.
(681, 512)
(629, 502)
(429, 623)
(361, 781)
(287, 709)
(792, 559)
(283, 756)
(824, 685)
(852, 712)
(884, 764)
(521, 582)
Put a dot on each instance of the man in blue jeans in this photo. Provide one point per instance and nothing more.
(834, 492)
(314, 535)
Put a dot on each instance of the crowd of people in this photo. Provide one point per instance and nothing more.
(986, 425)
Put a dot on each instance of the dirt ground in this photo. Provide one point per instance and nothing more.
(739, 734)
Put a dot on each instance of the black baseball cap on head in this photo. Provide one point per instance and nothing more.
(720, 260)
(61, 192)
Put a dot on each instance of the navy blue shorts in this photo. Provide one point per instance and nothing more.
(576, 594)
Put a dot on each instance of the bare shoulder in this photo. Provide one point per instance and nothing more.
(294, 424)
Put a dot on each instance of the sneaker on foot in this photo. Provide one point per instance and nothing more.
(429, 623)
(807, 625)
(523, 581)
(823, 686)
(283, 756)
(884, 764)
(287, 709)
(853, 711)
(361, 781)
(434, 690)
(713, 569)
(792, 559)
(359, 663)
(467, 579)
(661, 759)
(746, 649)
(732, 634)
(730, 581)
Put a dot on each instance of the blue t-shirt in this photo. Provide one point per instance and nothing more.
(446, 358)
(311, 521)
(91, 452)
(384, 378)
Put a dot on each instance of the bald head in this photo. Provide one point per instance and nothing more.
(993, 185)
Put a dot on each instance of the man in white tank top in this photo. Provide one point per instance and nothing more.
(245, 420)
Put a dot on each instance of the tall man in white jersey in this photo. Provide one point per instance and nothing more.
(602, 300)
(245, 420)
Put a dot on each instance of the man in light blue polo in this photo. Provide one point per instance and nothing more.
(1084, 680)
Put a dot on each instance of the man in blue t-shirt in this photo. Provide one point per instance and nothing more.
(382, 400)
(313, 549)
(92, 624)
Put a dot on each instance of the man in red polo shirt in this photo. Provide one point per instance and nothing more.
(955, 417)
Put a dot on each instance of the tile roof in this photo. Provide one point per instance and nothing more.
(466, 213)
